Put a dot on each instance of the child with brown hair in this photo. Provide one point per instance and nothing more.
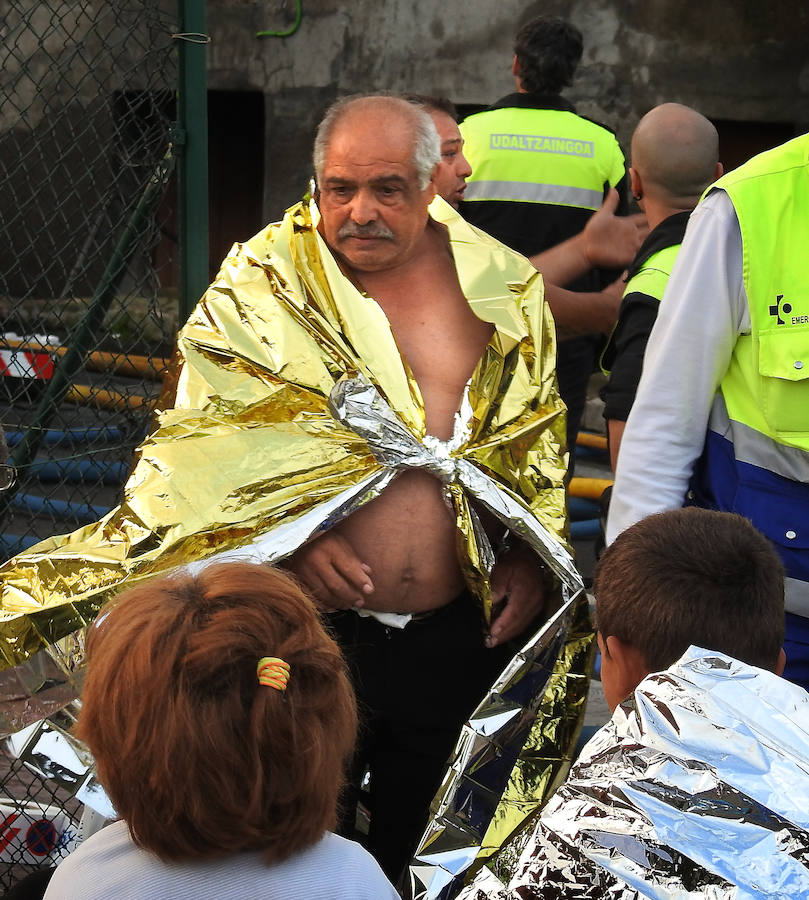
(698, 785)
(221, 719)
(683, 577)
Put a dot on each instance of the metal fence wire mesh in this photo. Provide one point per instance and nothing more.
(87, 269)
(87, 277)
(39, 818)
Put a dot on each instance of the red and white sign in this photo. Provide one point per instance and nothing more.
(27, 359)
(31, 833)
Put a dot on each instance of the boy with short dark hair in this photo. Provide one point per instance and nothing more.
(683, 577)
(697, 786)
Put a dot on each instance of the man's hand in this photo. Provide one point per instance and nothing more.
(607, 241)
(610, 241)
(518, 594)
(334, 574)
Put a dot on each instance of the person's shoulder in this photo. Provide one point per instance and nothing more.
(714, 213)
(716, 200)
(348, 854)
(598, 124)
(90, 860)
(352, 871)
(468, 241)
(607, 137)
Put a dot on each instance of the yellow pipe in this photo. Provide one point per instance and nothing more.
(102, 361)
(153, 367)
(589, 488)
(589, 439)
(84, 395)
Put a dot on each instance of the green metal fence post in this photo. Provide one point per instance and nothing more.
(192, 179)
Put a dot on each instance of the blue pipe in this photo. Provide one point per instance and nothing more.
(69, 436)
(81, 513)
(585, 530)
(78, 471)
(581, 508)
(12, 544)
(591, 453)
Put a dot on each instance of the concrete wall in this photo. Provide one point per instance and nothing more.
(86, 99)
(742, 61)
(69, 75)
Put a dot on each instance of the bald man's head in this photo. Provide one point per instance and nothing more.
(675, 150)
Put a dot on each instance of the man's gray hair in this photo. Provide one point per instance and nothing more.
(426, 143)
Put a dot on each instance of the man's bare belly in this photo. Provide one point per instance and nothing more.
(407, 537)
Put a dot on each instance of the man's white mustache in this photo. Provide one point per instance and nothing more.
(372, 230)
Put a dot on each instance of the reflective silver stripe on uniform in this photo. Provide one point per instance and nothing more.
(796, 596)
(530, 192)
(757, 449)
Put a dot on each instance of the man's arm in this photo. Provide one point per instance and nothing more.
(607, 241)
(577, 312)
(701, 314)
(615, 434)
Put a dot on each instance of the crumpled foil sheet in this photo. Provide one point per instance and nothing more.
(512, 753)
(697, 788)
(289, 406)
(247, 459)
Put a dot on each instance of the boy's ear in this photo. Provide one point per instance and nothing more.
(782, 661)
(629, 665)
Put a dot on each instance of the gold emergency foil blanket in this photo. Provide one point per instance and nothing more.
(248, 458)
(696, 788)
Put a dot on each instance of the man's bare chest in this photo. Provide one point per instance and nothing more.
(443, 352)
(442, 347)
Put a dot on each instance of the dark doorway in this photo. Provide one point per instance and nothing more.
(235, 182)
(738, 141)
(235, 169)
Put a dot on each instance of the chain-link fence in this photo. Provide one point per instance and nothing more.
(41, 803)
(88, 285)
(87, 94)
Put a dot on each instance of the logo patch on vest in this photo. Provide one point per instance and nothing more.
(778, 309)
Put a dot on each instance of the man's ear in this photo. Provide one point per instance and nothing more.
(781, 664)
(515, 67)
(719, 172)
(629, 665)
(431, 190)
(635, 183)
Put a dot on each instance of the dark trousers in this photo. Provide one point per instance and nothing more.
(415, 687)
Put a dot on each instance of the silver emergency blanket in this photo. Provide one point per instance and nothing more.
(697, 788)
(512, 753)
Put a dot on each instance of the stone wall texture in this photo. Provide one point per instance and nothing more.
(734, 60)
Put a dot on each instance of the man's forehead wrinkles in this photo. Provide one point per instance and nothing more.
(388, 178)
(383, 178)
(347, 160)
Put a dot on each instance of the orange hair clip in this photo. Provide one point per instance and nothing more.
(273, 672)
